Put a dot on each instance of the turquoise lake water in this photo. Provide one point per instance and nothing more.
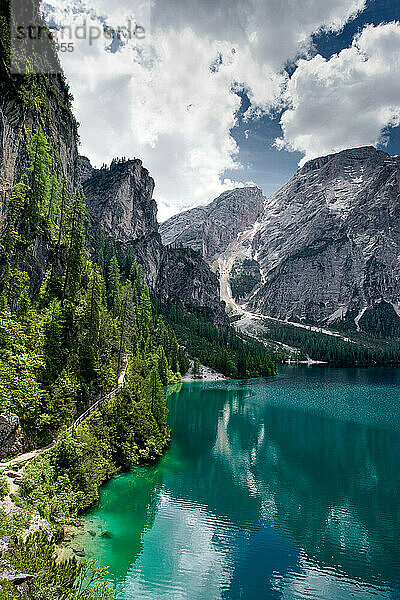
(287, 488)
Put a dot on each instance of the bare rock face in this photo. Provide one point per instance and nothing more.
(210, 229)
(85, 169)
(27, 102)
(328, 243)
(324, 248)
(12, 439)
(19, 115)
(120, 203)
(187, 277)
(127, 188)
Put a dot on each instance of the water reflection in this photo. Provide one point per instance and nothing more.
(278, 489)
(332, 484)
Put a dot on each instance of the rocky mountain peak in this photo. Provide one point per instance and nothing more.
(85, 168)
(121, 207)
(351, 157)
(329, 240)
(121, 198)
(210, 229)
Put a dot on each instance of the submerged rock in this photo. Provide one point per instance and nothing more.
(107, 534)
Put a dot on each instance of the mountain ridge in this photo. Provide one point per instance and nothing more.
(329, 239)
(327, 243)
(121, 207)
(210, 229)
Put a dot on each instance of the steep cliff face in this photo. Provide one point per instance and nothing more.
(126, 188)
(210, 229)
(324, 248)
(121, 207)
(119, 199)
(25, 104)
(328, 243)
(85, 169)
(186, 277)
(20, 114)
(29, 101)
(18, 118)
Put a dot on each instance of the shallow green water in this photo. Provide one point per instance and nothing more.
(284, 488)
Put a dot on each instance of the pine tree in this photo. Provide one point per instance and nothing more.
(145, 309)
(196, 367)
(64, 210)
(39, 169)
(54, 203)
(76, 251)
(163, 369)
(96, 302)
(114, 285)
(126, 321)
(54, 342)
(158, 402)
(13, 282)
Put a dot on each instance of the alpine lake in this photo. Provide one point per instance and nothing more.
(283, 488)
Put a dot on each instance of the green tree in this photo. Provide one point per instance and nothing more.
(52, 580)
(158, 402)
(126, 321)
(54, 201)
(196, 367)
(163, 368)
(20, 389)
(54, 343)
(96, 302)
(114, 285)
(75, 258)
(39, 169)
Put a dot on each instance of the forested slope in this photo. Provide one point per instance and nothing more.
(69, 310)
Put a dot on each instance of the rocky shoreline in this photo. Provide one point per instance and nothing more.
(205, 374)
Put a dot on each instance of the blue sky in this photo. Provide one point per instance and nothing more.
(270, 168)
(217, 86)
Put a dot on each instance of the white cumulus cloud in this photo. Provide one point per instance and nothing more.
(348, 100)
(171, 99)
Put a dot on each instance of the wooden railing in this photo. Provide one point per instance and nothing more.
(100, 402)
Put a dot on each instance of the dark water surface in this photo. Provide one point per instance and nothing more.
(286, 488)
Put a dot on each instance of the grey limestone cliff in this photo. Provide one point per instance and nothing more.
(48, 105)
(120, 205)
(210, 229)
(328, 243)
(325, 248)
